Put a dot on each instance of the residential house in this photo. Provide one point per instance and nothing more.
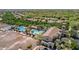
(8, 38)
(40, 48)
(27, 43)
(29, 19)
(51, 34)
(14, 40)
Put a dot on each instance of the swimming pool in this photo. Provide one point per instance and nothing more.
(21, 28)
(35, 31)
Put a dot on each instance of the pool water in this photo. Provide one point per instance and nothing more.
(35, 31)
(21, 28)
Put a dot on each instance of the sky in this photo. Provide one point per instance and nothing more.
(39, 4)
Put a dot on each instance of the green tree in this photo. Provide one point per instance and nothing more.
(8, 16)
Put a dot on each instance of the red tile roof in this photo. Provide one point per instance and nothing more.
(52, 32)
